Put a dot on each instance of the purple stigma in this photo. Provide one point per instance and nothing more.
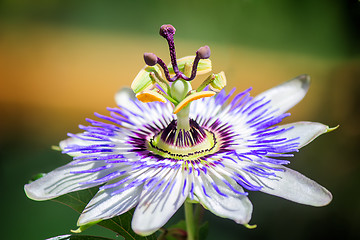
(168, 31)
(150, 59)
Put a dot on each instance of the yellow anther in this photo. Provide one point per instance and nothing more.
(192, 97)
(150, 96)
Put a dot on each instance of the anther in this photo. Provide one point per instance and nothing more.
(150, 59)
(202, 53)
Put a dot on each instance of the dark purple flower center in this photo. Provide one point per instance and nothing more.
(179, 144)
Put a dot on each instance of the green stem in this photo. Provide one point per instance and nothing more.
(197, 219)
(189, 219)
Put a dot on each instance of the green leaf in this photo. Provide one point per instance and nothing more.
(120, 224)
(203, 231)
(77, 200)
(77, 237)
(176, 231)
(181, 224)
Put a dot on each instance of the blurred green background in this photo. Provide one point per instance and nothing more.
(62, 60)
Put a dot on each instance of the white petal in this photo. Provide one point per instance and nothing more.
(306, 131)
(286, 95)
(234, 206)
(294, 186)
(104, 206)
(124, 97)
(156, 208)
(61, 181)
(75, 141)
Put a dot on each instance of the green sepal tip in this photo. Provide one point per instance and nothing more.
(332, 129)
(248, 226)
(84, 227)
(56, 148)
(36, 177)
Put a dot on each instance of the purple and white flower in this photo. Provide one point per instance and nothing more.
(213, 151)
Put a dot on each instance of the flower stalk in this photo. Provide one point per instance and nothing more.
(198, 214)
(189, 219)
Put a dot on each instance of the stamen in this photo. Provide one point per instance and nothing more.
(150, 96)
(192, 97)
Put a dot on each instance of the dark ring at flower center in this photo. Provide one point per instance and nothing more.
(183, 144)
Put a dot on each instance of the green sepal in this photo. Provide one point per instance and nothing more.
(143, 80)
(203, 67)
